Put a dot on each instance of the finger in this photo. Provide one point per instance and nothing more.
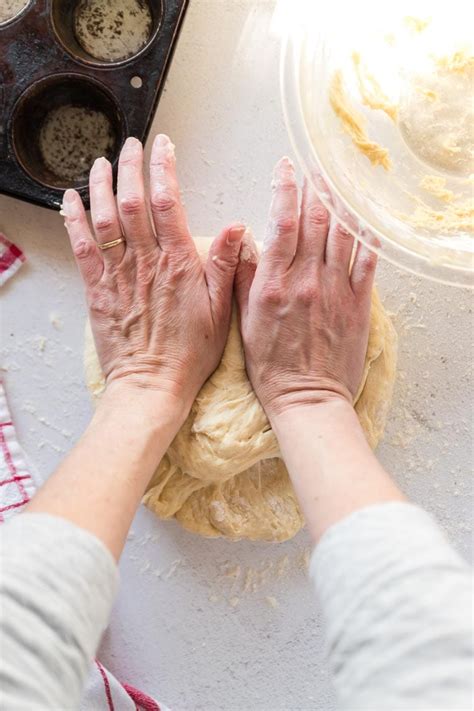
(339, 247)
(281, 238)
(245, 273)
(104, 214)
(363, 270)
(86, 252)
(131, 197)
(221, 267)
(166, 208)
(314, 226)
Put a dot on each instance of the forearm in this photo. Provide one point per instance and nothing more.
(332, 468)
(99, 485)
(397, 603)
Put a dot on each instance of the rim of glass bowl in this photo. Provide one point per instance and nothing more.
(393, 252)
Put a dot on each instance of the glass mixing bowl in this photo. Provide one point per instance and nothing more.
(379, 108)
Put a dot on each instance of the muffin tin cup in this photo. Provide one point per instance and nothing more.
(40, 100)
(63, 18)
(43, 68)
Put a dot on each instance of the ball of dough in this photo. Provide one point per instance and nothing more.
(222, 474)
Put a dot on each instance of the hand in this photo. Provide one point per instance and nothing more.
(159, 316)
(304, 314)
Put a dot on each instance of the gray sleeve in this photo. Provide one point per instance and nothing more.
(57, 586)
(397, 601)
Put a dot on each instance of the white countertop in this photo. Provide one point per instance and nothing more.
(185, 628)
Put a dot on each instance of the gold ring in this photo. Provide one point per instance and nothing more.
(113, 243)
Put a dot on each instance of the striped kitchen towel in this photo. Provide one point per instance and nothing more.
(11, 259)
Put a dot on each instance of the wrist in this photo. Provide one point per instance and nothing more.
(151, 407)
(313, 417)
(298, 406)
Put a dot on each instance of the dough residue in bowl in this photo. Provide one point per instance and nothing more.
(354, 124)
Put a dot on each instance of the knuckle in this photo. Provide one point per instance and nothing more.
(367, 263)
(163, 202)
(99, 303)
(317, 216)
(104, 223)
(343, 235)
(127, 159)
(284, 225)
(271, 296)
(285, 185)
(132, 204)
(307, 294)
(83, 249)
(96, 178)
(225, 262)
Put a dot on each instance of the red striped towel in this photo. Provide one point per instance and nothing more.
(11, 259)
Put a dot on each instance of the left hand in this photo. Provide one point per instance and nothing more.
(160, 317)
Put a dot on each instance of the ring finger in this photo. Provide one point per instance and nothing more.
(104, 214)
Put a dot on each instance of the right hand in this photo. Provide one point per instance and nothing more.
(304, 314)
(160, 317)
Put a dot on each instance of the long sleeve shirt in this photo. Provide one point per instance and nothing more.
(397, 601)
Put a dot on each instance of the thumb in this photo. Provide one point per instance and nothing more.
(248, 260)
(221, 266)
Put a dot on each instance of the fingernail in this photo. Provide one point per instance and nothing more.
(100, 163)
(132, 145)
(283, 171)
(69, 196)
(235, 234)
(284, 165)
(162, 140)
(165, 147)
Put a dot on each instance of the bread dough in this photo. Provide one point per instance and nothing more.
(222, 474)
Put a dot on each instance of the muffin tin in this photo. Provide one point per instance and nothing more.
(45, 75)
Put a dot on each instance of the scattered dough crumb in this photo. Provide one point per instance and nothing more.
(234, 601)
(173, 568)
(55, 321)
(272, 601)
